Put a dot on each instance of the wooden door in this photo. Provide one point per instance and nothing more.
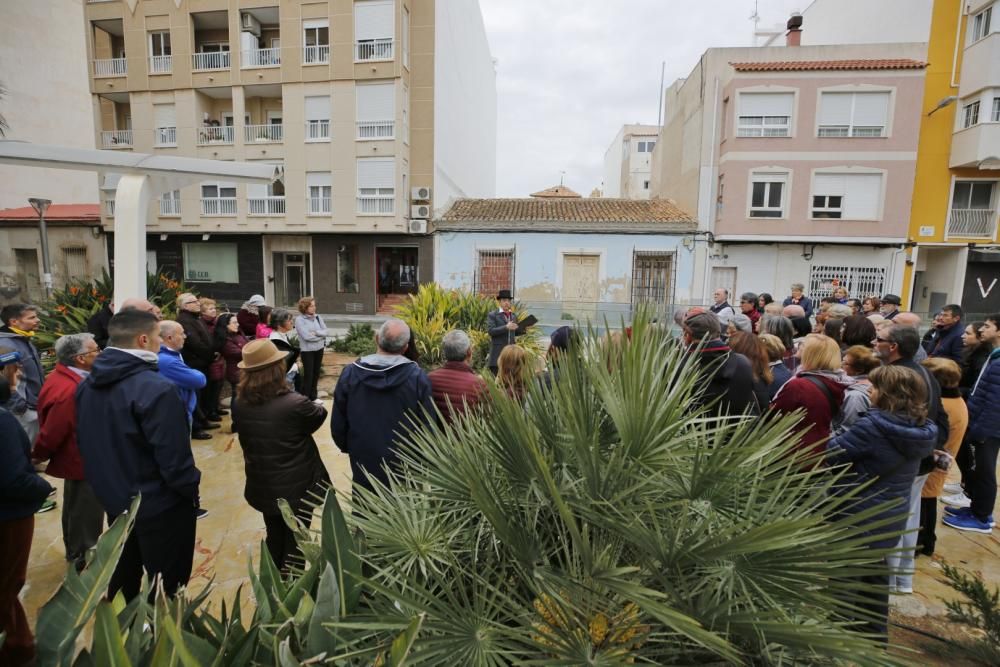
(581, 279)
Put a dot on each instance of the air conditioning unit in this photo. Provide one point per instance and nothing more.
(421, 194)
(250, 24)
(418, 227)
(420, 211)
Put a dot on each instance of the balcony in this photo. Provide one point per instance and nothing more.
(382, 204)
(314, 55)
(318, 130)
(215, 60)
(263, 134)
(216, 134)
(110, 67)
(161, 64)
(170, 208)
(271, 205)
(371, 130)
(165, 136)
(116, 139)
(370, 50)
(260, 58)
(218, 206)
(318, 206)
(972, 223)
(977, 147)
(981, 64)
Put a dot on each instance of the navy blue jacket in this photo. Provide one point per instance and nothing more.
(886, 448)
(984, 402)
(805, 302)
(781, 376)
(372, 405)
(133, 434)
(22, 491)
(947, 343)
(32, 374)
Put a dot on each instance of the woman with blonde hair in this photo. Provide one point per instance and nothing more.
(514, 371)
(818, 388)
(780, 374)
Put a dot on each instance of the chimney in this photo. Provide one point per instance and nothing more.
(794, 35)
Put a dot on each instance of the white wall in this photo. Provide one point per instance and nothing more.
(465, 104)
(43, 66)
(863, 22)
(612, 186)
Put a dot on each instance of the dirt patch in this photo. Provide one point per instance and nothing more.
(333, 365)
(908, 638)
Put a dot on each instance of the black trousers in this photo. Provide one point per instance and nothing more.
(210, 397)
(963, 458)
(981, 485)
(280, 540)
(311, 362)
(161, 545)
(82, 520)
(927, 537)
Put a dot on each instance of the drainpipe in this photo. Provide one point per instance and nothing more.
(711, 205)
(958, 39)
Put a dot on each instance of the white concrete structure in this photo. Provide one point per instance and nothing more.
(828, 22)
(44, 69)
(627, 162)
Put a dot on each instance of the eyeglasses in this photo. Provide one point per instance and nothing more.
(884, 340)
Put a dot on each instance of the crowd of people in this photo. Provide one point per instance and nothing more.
(116, 416)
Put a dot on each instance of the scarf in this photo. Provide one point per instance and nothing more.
(21, 332)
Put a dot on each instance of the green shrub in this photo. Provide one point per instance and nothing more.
(359, 341)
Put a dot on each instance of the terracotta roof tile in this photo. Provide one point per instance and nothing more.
(818, 65)
(55, 212)
(567, 214)
(556, 192)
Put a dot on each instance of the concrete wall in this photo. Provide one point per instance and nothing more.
(863, 22)
(611, 185)
(465, 104)
(25, 237)
(43, 57)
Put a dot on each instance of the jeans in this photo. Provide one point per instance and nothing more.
(981, 486)
(161, 545)
(901, 560)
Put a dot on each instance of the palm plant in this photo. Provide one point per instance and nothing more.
(603, 522)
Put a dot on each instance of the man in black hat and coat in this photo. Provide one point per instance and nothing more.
(502, 326)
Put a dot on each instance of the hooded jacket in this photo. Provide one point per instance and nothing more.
(31, 364)
(984, 413)
(802, 393)
(56, 440)
(375, 401)
(884, 449)
(133, 435)
(186, 379)
(729, 385)
(22, 490)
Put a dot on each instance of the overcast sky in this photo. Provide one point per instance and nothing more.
(570, 73)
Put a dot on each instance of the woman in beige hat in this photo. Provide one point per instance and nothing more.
(275, 426)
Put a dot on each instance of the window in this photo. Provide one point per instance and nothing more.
(347, 269)
(646, 146)
(211, 263)
(765, 114)
(218, 199)
(995, 116)
(981, 24)
(319, 190)
(847, 196)
(406, 37)
(976, 195)
(159, 52)
(406, 117)
(376, 111)
(267, 198)
(859, 280)
(767, 195)
(318, 118)
(494, 271)
(973, 209)
(170, 203)
(374, 27)
(970, 114)
(164, 125)
(376, 186)
(853, 114)
(75, 264)
(645, 185)
(316, 41)
(652, 277)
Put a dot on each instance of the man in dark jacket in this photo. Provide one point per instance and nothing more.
(890, 306)
(984, 439)
(98, 324)
(946, 336)
(377, 398)
(198, 353)
(727, 375)
(20, 321)
(455, 386)
(133, 435)
(897, 345)
(501, 325)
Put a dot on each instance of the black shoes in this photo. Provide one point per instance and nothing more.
(201, 435)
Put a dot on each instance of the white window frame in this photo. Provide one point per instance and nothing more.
(320, 123)
(741, 131)
(769, 175)
(323, 194)
(980, 24)
(854, 90)
(995, 113)
(405, 37)
(848, 171)
(970, 114)
(216, 247)
(305, 29)
(645, 145)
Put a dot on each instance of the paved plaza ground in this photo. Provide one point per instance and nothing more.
(232, 532)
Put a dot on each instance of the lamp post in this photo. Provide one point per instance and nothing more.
(40, 206)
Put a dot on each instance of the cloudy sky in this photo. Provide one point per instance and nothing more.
(570, 73)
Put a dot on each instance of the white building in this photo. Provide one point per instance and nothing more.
(627, 162)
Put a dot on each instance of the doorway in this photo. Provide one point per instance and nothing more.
(397, 274)
(291, 277)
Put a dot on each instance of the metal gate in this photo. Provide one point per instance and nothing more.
(653, 278)
(860, 281)
(494, 271)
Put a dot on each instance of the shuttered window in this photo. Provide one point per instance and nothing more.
(853, 114)
(765, 114)
(847, 196)
(373, 19)
(376, 186)
(164, 125)
(317, 109)
(376, 109)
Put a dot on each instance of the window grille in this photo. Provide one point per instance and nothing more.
(652, 277)
(494, 271)
(860, 281)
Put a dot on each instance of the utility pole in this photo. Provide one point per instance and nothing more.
(40, 206)
(659, 110)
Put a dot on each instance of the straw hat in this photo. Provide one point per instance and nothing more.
(260, 353)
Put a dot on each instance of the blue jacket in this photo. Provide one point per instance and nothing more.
(984, 401)
(781, 376)
(186, 379)
(886, 448)
(22, 490)
(32, 374)
(805, 302)
(374, 401)
(134, 437)
(947, 343)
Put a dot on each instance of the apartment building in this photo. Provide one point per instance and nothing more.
(799, 161)
(377, 111)
(627, 166)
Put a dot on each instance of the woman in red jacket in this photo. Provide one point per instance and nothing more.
(817, 388)
(230, 340)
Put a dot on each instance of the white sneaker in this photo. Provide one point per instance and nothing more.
(957, 500)
(952, 488)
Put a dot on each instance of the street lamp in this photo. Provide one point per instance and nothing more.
(40, 206)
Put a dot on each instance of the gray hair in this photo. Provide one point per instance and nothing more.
(71, 346)
(839, 311)
(749, 297)
(455, 345)
(742, 323)
(798, 286)
(280, 316)
(393, 336)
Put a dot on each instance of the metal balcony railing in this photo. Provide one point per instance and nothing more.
(976, 223)
(165, 136)
(110, 67)
(216, 134)
(376, 204)
(116, 139)
(317, 130)
(376, 129)
(170, 207)
(214, 60)
(260, 58)
(368, 50)
(218, 206)
(271, 205)
(318, 205)
(263, 134)
(315, 54)
(161, 64)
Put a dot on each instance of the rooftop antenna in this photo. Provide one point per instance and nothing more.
(659, 111)
(562, 175)
(755, 17)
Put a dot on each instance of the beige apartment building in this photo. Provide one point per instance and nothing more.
(627, 165)
(377, 111)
